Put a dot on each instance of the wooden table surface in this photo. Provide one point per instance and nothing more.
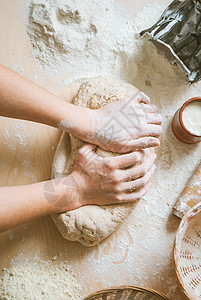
(26, 153)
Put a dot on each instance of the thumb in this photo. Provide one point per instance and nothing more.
(88, 149)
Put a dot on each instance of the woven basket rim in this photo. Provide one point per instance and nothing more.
(189, 216)
(124, 287)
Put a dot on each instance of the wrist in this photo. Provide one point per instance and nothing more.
(81, 188)
(71, 193)
(65, 196)
(78, 121)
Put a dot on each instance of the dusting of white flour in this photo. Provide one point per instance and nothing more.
(43, 280)
(86, 38)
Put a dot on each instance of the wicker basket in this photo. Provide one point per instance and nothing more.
(126, 292)
(187, 253)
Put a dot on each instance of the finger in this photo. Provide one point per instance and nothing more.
(131, 186)
(134, 196)
(153, 130)
(127, 160)
(148, 151)
(139, 97)
(149, 108)
(139, 170)
(142, 97)
(156, 119)
(128, 98)
(87, 151)
(154, 107)
(141, 143)
(87, 147)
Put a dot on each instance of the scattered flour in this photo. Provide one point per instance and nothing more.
(18, 68)
(43, 280)
(16, 139)
(17, 130)
(20, 132)
(87, 38)
(6, 134)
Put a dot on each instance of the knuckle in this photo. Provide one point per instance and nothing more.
(134, 198)
(130, 188)
(116, 189)
(147, 152)
(83, 150)
(143, 181)
(109, 165)
(122, 147)
(141, 193)
(80, 154)
(143, 170)
(161, 129)
(138, 198)
(136, 157)
(156, 134)
(115, 177)
(119, 198)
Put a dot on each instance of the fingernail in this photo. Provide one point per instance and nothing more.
(155, 143)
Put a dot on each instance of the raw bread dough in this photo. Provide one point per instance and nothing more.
(90, 224)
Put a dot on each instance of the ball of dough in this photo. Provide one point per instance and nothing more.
(90, 224)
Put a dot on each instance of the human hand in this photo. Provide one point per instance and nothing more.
(110, 180)
(126, 125)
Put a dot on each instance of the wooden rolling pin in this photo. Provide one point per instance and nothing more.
(190, 196)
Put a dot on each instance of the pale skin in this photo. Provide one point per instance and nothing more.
(112, 180)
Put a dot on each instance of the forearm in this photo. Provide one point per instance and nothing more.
(22, 99)
(21, 204)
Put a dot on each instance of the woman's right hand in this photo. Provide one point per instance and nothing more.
(126, 125)
(110, 180)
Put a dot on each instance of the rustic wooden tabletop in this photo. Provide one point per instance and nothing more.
(138, 253)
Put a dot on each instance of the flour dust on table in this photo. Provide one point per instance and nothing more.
(39, 280)
(87, 38)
